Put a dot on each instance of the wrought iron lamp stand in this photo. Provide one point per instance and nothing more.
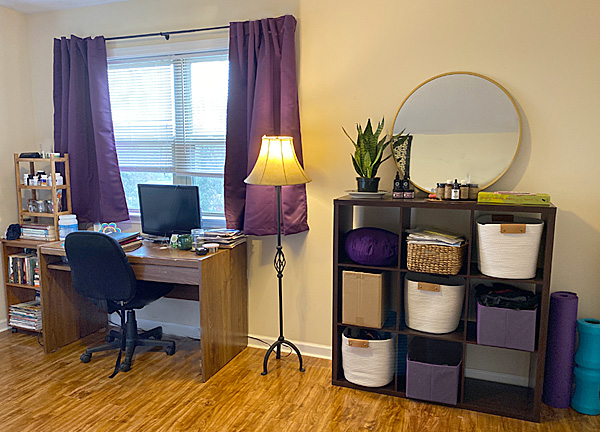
(279, 264)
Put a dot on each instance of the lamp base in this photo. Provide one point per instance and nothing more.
(277, 345)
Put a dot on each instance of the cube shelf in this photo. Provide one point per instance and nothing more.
(522, 402)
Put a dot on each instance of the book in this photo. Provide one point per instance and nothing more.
(132, 245)
(123, 237)
(511, 197)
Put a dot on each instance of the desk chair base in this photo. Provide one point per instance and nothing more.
(132, 340)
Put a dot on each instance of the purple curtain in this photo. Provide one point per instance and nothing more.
(263, 100)
(83, 128)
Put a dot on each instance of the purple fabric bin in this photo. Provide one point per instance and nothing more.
(433, 370)
(506, 328)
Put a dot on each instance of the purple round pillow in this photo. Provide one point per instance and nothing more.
(372, 246)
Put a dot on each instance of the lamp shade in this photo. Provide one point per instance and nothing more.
(277, 164)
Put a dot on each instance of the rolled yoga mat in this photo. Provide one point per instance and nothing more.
(560, 349)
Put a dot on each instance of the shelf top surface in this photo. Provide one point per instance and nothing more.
(388, 201)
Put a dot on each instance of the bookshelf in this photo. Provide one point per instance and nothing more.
(42, 193)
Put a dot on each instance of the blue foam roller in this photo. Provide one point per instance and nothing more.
(588, 352)
(586, 397)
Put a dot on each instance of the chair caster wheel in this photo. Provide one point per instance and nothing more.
(170, 350)
(125, 367)
(13, 330)
(85, 358)
(109, 338)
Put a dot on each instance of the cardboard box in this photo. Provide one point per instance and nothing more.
(517, 198)
(365, 298)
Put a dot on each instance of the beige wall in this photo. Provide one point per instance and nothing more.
(16, 120)
(360, 59)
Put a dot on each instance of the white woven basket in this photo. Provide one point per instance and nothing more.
(433, 307)
(369, 363)
(509, 249)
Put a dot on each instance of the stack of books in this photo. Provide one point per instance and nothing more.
(26, 315)
(226, 238)
(33, 231)
(128, 241)
(24, 269)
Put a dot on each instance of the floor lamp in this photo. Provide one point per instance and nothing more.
(278, 166)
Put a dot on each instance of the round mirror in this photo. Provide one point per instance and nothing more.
(463, 125)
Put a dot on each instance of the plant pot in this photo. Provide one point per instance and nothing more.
(367, 184)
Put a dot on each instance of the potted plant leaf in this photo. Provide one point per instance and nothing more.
(368, 154)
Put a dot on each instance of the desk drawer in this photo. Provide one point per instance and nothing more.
(158, 273)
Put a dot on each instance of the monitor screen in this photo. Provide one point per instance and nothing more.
(169, 209)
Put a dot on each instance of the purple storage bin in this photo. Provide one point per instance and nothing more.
(433, 370)
(506, 328)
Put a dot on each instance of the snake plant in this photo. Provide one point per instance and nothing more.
(368, 149)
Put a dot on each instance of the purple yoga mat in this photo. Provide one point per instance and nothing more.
(560, 349)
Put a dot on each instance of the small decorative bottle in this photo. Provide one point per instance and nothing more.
(398, 192)
(455, 190)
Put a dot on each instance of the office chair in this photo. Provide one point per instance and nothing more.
(100, 271)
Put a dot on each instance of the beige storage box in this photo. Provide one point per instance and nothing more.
(364, 298)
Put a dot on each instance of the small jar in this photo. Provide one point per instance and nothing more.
(473, 191)
(464, 190)
(448, 190)
(440, 190)
(43, 180)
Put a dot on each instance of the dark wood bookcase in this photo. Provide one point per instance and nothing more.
(522, 402)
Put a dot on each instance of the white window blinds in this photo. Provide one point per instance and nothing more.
(169, 113)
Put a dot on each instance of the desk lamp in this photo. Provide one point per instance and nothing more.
(278, 166)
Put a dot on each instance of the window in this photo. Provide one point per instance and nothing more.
(169, 117)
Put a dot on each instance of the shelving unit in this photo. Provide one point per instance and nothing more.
(17, 293)
(52, 193)
(523, 402)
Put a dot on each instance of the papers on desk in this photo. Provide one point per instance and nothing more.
(226, 238)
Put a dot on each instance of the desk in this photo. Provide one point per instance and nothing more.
(217, 281)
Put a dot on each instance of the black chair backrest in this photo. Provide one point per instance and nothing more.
(99, 267)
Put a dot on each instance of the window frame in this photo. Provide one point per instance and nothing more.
(216, 46)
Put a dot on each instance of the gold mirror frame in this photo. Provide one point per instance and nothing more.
(484, 186)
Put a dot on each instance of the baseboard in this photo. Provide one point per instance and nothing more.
(306, 348)
(518, 380)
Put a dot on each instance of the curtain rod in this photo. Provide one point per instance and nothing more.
(166, 35)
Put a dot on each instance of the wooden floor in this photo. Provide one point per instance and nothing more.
(58, 393)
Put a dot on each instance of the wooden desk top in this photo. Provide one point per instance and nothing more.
(148, 253)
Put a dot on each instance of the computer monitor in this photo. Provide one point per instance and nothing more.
(169, 209)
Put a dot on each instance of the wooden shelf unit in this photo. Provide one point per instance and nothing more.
(475, 394)
(17, 293)
(53, 189)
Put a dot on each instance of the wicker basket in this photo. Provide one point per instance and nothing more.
(426, 258)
